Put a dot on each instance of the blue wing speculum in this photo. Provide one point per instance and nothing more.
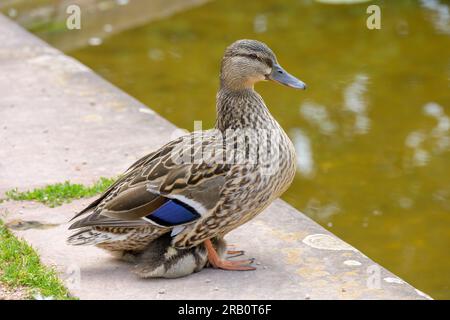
(173, 213)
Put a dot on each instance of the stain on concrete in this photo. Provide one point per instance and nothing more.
(393, 280)
(326, 242)
(352, 263)
(293, 255)
(282, 234)
(22, 225)
(93, 118)
(312, 272)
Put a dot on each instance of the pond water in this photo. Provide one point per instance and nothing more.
(372, 131)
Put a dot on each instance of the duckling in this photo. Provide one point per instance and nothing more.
(170, 211)
(161, 260)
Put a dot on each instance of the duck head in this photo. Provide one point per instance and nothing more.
(246, 62)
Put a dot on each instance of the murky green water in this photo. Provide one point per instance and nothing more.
(372, 131)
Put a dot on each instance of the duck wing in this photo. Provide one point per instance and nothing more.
(160, 190)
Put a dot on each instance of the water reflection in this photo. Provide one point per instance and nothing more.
(440, 131)
(260, 23)
(414, 141)
(318, 115)
(441, 17)
(122, 2)
(402, 28)
(320, 211)
(95, 41)
(156, 54)
(434, 141)
(305, 162)
(100, 18)
(108, 28)
(354, 102)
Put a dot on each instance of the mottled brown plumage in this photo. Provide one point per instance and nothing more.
(228, 175)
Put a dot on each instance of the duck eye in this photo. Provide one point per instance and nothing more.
(253, 56)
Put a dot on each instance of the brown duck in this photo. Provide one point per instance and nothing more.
(168, 213)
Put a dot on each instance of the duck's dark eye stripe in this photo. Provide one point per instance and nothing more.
(251, 56)
(254, 56)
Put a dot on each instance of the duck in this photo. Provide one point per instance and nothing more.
(169, 212)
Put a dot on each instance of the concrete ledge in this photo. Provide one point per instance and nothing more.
(60, 121)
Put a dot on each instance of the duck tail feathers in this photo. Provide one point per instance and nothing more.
(89, 236)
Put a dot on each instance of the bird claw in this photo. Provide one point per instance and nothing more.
(240, 265)
(234, 253)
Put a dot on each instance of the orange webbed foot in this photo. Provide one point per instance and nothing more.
(217, 262)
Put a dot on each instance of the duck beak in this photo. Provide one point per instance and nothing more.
(280, 75)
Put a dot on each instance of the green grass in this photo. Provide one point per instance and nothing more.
(19, 263)
(20, 267)
(60, 193)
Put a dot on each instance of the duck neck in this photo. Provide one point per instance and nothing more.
(241, 109)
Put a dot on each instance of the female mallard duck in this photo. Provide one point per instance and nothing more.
(171, 209)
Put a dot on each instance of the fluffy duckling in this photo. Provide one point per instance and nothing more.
(161, 260)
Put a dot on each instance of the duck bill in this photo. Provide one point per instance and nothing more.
(280, 75)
